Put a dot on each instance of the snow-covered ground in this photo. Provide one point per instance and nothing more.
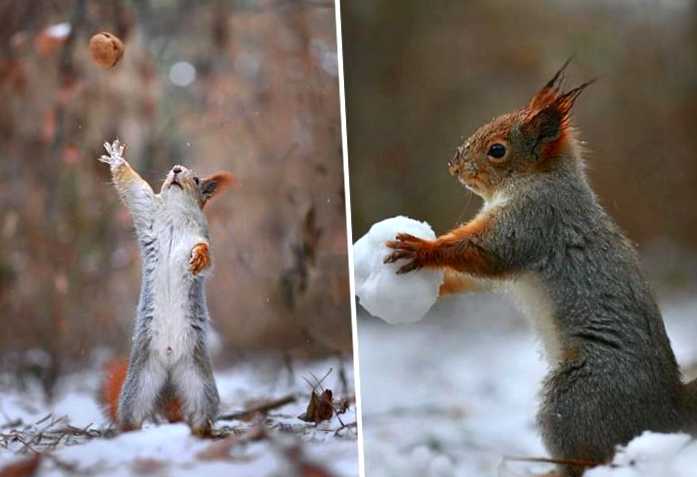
(169, 449)
(456, 394)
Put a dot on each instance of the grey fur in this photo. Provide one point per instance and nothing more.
(546, 238)
(619, 376)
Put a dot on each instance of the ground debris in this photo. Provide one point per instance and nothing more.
(322, 405)
(262, 408)
(48, 433)
(22, 468)
(221, 449)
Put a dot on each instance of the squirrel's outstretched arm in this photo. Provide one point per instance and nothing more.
(464, 249)
(494, 244)
(133, 190)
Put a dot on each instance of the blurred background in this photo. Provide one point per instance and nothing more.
(246, 86)
(455, 393)
(422, 77)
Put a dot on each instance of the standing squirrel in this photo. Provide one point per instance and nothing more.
(543, 236)
(169, 370)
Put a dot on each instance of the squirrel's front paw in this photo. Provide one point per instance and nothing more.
(410, 248)
(115, 151)
(200, 258)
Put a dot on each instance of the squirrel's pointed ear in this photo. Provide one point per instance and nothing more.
(548, 123)
(214, 184)
(543, 126)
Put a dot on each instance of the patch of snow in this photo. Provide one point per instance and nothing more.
(82, 409)
(653, 454)
(394, 298)
(171, 449)
(456, 393)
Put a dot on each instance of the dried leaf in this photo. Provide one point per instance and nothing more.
(320, 408)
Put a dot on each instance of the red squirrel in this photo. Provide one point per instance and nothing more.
(169, 371)
(543, 236)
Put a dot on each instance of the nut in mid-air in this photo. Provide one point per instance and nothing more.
(106, 49)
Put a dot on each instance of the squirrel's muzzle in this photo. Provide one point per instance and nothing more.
(455, 164)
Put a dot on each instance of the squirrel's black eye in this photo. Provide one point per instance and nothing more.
(497, 151)
(197, 180)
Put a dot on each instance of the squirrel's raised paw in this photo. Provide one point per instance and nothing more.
(115, 151)
(200, 258)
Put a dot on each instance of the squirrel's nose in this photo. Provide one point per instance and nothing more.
(176, 170)
(455, 163)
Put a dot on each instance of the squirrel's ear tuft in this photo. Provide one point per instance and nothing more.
(548, 113)
(214, 185)
(550, 91)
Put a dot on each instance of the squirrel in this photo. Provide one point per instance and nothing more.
(169, 370)
(543, 236)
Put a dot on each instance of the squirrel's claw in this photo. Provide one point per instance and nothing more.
(407, 247)
(413, 265)
(409, 238)
(398, 255)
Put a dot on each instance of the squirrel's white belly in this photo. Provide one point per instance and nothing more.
(534, 302)
(171, 332)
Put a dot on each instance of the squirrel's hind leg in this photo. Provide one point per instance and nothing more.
(198, 392)
(140, 392)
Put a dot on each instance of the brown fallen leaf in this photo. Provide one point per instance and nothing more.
(22, 468)
(320, 408)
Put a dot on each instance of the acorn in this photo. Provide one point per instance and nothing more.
(106, 49)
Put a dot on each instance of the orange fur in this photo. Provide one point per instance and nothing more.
(125, 174)
(115, 374)
(172, 410)
(456, 282)
(551, 100)
(200, 258)
(456, 250)
(223, 181)
(469, 259)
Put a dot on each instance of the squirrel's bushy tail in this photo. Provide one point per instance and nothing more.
(110, 390)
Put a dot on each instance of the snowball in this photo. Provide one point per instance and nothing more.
(395, 298)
